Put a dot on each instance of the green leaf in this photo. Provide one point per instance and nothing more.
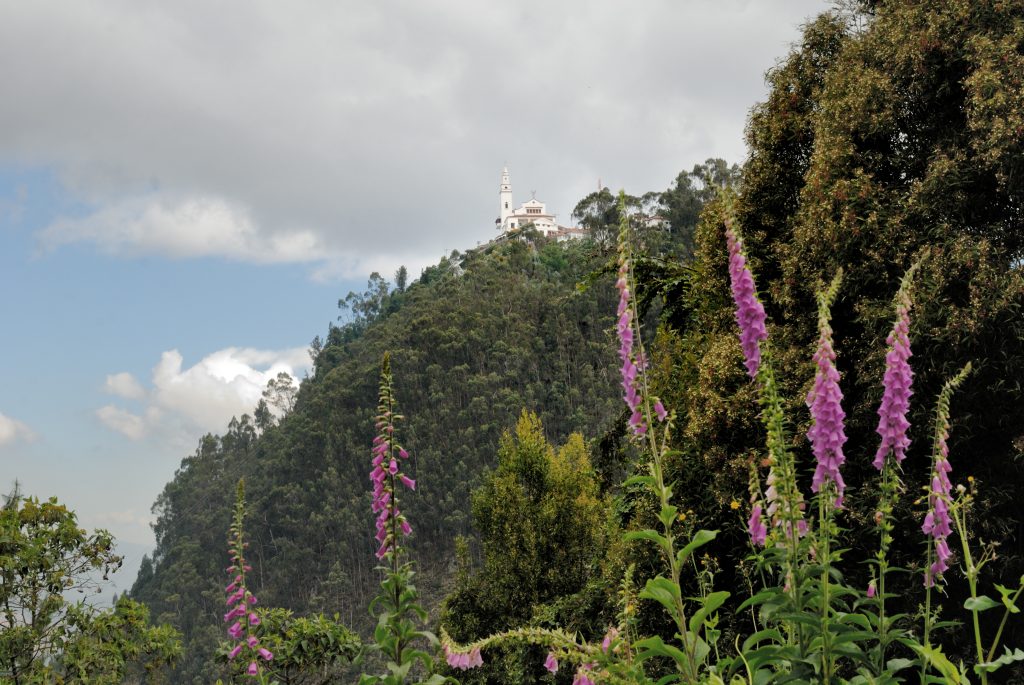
(1007, 658)
(1006, 594)
(897, 665)
(663, 591)
(935, 657)
(655, 646)
(700, 538)
(639, 480)
(980, 603)
(711, 604)
(650, 535)
(668, 515)
(761, 635)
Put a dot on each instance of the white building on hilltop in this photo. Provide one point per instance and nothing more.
(533, 213)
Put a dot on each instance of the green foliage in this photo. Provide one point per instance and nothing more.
(542, 521)
(44, 558)
(110, 646)
(308, 650)
(880, 139)
(43, 555)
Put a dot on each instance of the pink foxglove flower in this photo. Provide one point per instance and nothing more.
(937, 522)
(755, 526)
(386, 470)
(750, 314)
(463, 660)
(241, 619)
(551, 663)
(827, 434)
(583, 675)
(892, 413)
(632, 367)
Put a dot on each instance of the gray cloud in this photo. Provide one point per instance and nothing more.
(346, 134)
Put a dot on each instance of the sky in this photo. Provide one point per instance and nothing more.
(188, 188)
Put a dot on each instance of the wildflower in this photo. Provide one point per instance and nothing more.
(241, 619)
(734, 505)
(871, 590)
(609, 638)
(750, 314)
(892, 413)
(386, 471)
(583, 675)
(631, 369)
(463, 660)
(756, 528)
(826, 433)
(659, 409)
(937, 520)
(551, 663)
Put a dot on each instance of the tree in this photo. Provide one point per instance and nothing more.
(280, 394)
(108, 646)
(366, 306)
(307, 650)
(542, 524)
(683, 202)
(875, 147)
(599, 214)
(45, 556)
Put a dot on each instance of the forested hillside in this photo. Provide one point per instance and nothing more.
(519, 325)
(477, 339)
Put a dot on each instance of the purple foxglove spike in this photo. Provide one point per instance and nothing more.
(896, 383)
(750, 315)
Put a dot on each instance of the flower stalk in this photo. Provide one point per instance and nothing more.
(241, 616)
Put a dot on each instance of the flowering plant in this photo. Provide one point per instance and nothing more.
(241, 601)
(397, 633)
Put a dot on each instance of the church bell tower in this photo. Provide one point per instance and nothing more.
(505, 197)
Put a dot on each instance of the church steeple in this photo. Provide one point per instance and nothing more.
(505, 197)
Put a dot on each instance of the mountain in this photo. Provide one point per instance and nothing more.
(477, 339)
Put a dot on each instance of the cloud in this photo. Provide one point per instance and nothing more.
(202, 397)
(123, 421)
(190, 227)
(124, 385)
(330, 133)
(12, 430)
(127, 517)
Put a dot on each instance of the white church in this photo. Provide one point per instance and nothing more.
(534, 212)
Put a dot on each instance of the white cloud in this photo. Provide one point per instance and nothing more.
(123, 421)
(203, 397)
(124, 385)
(330, 133)
(12, 430)
(190, 227)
